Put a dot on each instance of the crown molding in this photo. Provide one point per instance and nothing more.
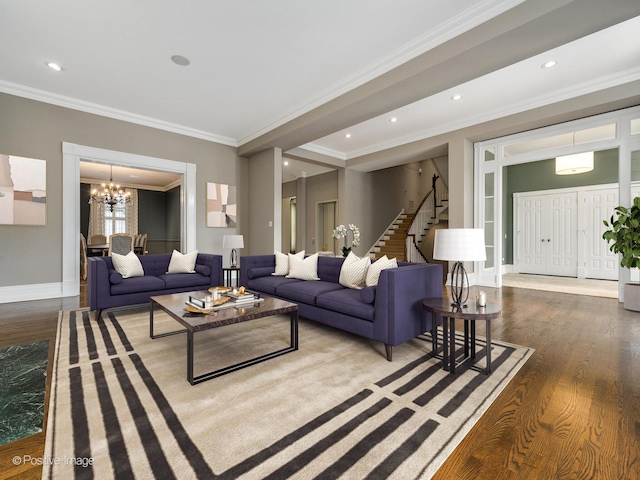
(315, 148)
(96, 109)
(137, 186)
(584, 88)
(481, 12)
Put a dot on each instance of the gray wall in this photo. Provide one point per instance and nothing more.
(264, 186)
(33, 255)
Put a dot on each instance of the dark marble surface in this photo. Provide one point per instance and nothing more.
(23, 370)
(174, 305)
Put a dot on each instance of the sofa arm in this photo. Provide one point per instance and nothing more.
(98, 284)
(254, 262)
(214, 262)
(399, 315)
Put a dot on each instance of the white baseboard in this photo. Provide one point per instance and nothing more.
(23, 293)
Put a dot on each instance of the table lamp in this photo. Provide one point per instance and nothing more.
(459, 245)
(233, 242)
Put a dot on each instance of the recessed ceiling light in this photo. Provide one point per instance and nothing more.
(285, 163)
(180, 60)
(348, 135)
(54, 66)
(393, 119)
(549, 64)
(457, 96)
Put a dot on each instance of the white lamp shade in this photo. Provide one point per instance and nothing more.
(459, 245)
(232, 241)
(572, 164)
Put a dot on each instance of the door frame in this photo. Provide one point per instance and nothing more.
(320, 222)
(71, 156)
(490, 158)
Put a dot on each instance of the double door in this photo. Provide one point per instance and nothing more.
(546, 227)
(560, 233)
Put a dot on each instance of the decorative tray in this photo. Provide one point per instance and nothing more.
(220, 289)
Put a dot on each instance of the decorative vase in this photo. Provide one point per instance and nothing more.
(345, 251)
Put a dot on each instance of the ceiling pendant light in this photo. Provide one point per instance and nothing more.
(573, 164)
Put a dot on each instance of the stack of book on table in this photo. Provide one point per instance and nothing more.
(244, 299)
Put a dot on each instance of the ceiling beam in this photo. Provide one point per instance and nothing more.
(528, 29)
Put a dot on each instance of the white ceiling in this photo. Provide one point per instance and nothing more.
(256, 65)
(606, 58)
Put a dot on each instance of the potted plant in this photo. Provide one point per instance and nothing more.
(343, 232)
(623, 234)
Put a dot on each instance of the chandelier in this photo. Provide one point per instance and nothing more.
(111, 194)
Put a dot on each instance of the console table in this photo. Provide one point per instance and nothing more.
(441, 307)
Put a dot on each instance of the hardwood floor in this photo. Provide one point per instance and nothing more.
(573, 411)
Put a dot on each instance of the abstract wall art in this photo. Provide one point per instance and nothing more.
(222, 205)
(23, 191)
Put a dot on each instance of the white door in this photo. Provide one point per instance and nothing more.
(600, 262)
(547, 234)
(562, 234)
(530, 239)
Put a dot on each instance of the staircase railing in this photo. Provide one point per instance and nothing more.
(425, 215)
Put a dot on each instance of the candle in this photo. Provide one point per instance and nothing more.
(482, 299)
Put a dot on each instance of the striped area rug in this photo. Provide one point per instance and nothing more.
(121, 406)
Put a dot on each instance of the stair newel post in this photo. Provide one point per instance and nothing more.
(435, 192)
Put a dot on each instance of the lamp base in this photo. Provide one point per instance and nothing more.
(459, 286)
(234, 258)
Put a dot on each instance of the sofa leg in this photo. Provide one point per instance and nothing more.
(98, 314)
(389, 350)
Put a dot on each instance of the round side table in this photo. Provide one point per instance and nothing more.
(441, 307)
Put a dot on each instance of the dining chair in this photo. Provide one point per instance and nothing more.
(83, 258)
(140, 243)
(120, 243)
(97, 239)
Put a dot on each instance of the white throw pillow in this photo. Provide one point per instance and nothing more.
(303, 268)
(282, 262)
(127, 265)
(183, 263)
(354, 271)
(373, 273)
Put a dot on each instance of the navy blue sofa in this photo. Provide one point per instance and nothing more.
(106, 288)
(390, 312)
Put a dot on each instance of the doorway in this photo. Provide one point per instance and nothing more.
(326, 223)
(546, 233)
(617, 132)
(289, 225)
(71, 156)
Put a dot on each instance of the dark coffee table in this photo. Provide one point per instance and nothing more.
(174, 305)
